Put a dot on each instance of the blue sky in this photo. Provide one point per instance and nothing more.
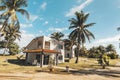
(48, 16)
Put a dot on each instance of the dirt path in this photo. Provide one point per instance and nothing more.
(47, 76)
(112, 73)
(89, 74)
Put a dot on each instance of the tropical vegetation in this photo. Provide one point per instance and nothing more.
(10, 29)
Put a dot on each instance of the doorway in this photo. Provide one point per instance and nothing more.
(46, 60)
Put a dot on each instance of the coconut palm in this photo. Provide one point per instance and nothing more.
(80, 32)
(110, 48)
(9, 8)
(69, 45)
(57, 35)
(101, 49)
(10, 34)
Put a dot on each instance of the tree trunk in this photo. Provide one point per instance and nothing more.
(77, 57)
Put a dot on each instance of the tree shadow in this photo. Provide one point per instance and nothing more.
(20, 62)
(101, 72)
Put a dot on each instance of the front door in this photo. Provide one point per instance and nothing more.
(46, 59)
(38, 58)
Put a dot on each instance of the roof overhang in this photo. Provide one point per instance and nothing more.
(41, 51)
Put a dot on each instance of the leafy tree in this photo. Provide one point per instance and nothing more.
(101, 49)
(13, 48)
(110, 48)
(93, 52)
(80, 32)
(103, 60)
(83, 52)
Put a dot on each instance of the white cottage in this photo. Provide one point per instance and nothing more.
(40, 50)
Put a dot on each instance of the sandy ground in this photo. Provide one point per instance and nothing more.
(112, 74)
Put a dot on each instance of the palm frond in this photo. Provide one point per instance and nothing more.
(2, 8)
(88, 25)
(23, 12)
(85, 17)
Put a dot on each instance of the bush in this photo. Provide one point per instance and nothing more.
(103, 59)
(113, 55)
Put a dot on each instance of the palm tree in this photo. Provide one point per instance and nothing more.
(69, 45)
(80, 32)
(10, 7)
(57, 36)
(93, 52)
(101, 49)
(10, 34)
(110, 48)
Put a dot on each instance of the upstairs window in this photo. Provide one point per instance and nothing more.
(60, 46)
(47, 45)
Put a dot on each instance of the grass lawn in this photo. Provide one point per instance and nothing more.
(87, 63)
(14, 65)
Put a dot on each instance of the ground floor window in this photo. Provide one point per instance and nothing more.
(60, 57)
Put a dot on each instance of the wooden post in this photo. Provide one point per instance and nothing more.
(26, 57)
(41, 60)
(56, 59)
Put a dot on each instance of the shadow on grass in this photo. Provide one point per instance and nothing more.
(101, 72)
(20, 62)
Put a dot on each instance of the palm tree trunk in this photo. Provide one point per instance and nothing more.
(77, 58)
(78, 50)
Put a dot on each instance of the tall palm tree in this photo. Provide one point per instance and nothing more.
(80, 32)
(10, 7)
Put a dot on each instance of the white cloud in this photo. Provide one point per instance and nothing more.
(78, 8)
(108, 40)
(43, 6)
(105, 41)
(25, 38)
(56, 22)
(41, 33)
(26, 25)
(46, 22)
(33, 17)
(57, 29)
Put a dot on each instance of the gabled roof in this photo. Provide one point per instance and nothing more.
(34, 40)
(41, 51)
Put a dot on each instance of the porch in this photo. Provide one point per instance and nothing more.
(41, 56)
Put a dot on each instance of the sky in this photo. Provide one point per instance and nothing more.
(48, 16)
